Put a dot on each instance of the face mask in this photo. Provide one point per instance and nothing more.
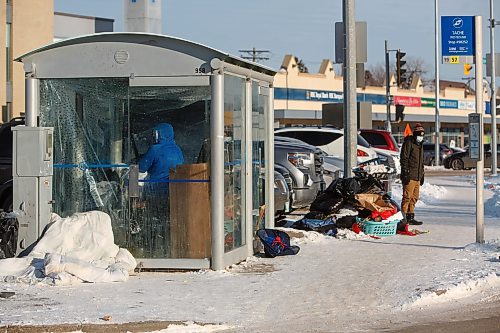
(420, 139)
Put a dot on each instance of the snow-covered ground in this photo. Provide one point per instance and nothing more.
(335, 285)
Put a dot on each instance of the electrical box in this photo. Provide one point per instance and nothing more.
(32, 170)
(475, 137)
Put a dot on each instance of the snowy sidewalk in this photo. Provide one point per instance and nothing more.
(332, 285)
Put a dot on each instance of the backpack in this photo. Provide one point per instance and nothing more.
(276, 243)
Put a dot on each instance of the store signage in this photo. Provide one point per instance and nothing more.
(448, 104)
(428, 102)
(407, 101)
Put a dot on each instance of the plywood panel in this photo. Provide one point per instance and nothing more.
(190, 229)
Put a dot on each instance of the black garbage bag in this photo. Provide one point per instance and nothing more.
(9, 227)
(344, 186)
(370, 185)
(327, 202)
(346, 221)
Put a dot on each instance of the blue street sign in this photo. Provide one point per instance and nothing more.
(457, 36)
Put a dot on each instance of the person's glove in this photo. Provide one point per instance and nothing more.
(405, 177)
(422, 181)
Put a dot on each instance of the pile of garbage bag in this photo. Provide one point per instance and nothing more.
(348, 201)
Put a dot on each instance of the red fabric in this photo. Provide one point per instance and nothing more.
(407, 232)
(384, 215)
(355, 227)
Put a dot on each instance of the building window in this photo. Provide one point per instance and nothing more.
(133, 1)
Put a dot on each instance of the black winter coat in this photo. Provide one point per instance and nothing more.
(412, 160)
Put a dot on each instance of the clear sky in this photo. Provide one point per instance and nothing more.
(302, 28)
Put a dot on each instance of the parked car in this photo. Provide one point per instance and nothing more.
(329, 139)
(384, 145)
(380, 139)
(282, 206)
(430, 152)
(462, 161)
(305, 166)
(281, 194)
(6, 163)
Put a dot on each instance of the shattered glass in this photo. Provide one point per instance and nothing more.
(101, 126)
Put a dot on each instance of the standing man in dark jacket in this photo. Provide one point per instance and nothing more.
(412, 172)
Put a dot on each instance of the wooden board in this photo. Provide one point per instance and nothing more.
(190, 229)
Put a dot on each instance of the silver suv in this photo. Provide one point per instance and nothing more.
(305, 166)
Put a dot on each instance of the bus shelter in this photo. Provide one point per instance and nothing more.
(173, 139)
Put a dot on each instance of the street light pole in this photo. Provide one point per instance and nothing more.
(436, 73)
(350, 93)
(493, 102)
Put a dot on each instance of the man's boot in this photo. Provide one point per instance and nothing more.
(410, 219)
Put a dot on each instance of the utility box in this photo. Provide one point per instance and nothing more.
(333, 114)
(32, 170)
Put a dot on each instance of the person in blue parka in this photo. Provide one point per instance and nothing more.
(162, 156)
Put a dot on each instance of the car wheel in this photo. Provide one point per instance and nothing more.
(457, 164)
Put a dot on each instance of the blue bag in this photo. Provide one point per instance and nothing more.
(276, 243)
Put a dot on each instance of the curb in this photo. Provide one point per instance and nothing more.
(133, 327)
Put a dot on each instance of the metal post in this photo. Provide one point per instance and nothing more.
(493, 103)
(479, 109)
(247, 164)
(32, 100)
(269, 157)
(350, 102)
(436, 73)
(217, 170)
(387, 89)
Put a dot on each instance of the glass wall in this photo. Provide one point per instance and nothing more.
(234, 110)
(259, 106)
(101, 127)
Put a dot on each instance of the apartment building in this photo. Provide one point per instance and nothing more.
(26, 25)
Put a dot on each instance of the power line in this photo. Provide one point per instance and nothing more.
(254, 55)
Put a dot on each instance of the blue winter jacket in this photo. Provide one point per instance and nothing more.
(162, 156)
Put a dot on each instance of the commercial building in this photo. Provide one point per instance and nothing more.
(299, 99)
(26, 25)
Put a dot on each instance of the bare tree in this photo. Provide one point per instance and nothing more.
(302, 67)
(375, 75)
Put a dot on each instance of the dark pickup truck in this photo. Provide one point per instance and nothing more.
(6, 163)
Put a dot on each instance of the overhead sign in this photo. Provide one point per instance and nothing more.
(457, 39)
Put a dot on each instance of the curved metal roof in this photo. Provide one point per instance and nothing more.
(161, 41)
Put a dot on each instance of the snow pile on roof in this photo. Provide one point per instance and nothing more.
(429, 194)
(492, 205)
(475, 280)
(73, 249)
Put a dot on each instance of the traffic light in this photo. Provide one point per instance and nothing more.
(400, 116)
(467, 69)
(400, 71)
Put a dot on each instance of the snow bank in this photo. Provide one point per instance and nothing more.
(492, 205)
(429, 194)
(465, 284)
(460, 290)
(191, 327)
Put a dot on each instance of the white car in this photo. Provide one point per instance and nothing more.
(329, 139)
(383, 158)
